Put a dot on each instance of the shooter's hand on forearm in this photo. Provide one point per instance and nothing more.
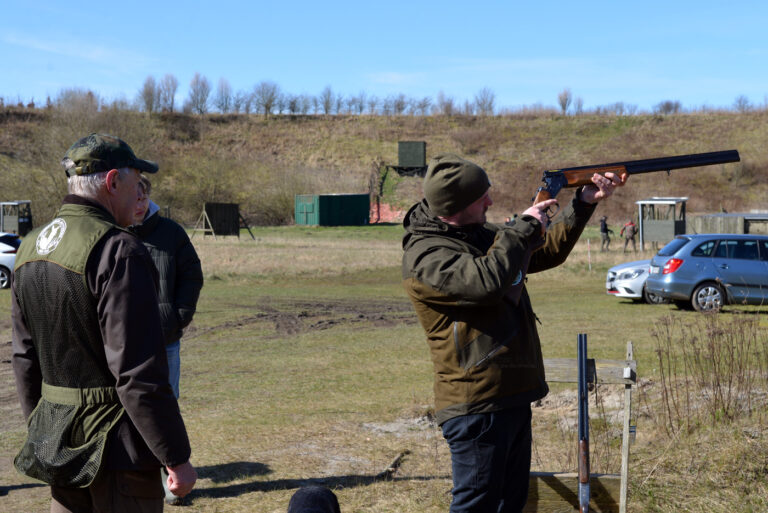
(602, 187)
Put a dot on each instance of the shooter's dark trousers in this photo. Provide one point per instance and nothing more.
(491, 460)
(117, 491)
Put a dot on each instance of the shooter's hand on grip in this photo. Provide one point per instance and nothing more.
(539, 211)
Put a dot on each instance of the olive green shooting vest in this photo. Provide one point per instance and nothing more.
(67, 431)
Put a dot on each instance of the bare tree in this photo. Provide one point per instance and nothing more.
(578, 105)
(77, 100)
(373, 104)
(339, 103)
(293, 104)
(399, 104)
(667, 107)
(326, 100)
(282, 103)
(242, 101)
(445, 105)
(305, 103)
(199, 91)
(484, 101)
(422, 106)
(469, 108)
(223, 99)
(238, 102)
(167, 92)
(564, 99)
(351, 104)
(360, 102)
(387, 106)
(741, 104)
(149, 96)
(265, 95)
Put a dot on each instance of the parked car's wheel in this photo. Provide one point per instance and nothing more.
(708, 297)
(5, 278)
(653, 299)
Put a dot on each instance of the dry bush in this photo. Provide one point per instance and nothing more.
(712, 368)
(470, 140)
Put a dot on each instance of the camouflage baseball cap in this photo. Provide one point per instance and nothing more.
(97, 153)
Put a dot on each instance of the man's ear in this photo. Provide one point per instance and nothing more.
(111, 182)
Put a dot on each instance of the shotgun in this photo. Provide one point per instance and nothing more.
(556, 179)
(583, 424)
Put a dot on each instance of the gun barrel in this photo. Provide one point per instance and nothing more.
(669, 163)
(583, 377)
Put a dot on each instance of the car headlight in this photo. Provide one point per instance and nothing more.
(631, 275)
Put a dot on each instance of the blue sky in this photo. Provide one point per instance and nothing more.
(701, 53)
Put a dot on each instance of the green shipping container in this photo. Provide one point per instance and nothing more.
(332, 209)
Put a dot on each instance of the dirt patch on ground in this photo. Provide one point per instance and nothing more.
(404, 427)
(292, 317)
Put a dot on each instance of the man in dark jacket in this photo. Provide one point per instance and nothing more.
(180, 278)
(179, 270)
(605, 237)
(466, 280)
(88, 351)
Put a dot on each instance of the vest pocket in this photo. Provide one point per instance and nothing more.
(65, 440)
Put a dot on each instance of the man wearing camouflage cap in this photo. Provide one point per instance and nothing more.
(88, 351)
(466, 280)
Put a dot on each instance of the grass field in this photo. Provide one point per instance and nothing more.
(305, 365)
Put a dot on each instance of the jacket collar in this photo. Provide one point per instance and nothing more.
(75, 200)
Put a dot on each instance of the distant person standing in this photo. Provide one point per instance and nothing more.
(629, 230)
(604, 234)
(181, 279)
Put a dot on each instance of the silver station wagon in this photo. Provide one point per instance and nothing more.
(707, 271)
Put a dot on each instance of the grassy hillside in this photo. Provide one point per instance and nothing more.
(261, 163)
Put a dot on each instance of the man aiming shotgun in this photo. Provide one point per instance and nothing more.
(466, 280)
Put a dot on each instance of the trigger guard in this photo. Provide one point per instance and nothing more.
(550, 214)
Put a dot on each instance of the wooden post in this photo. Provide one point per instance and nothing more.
(625, 434)
(207, 226)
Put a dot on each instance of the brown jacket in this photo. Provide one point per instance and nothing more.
(467, 285)
(121, 277)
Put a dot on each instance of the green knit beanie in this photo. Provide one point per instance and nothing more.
(452, 184)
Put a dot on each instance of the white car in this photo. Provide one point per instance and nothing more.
(9, 243)
(628, 280)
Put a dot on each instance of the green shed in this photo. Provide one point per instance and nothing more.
(332, 209)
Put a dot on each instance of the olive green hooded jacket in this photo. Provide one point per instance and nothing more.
(467, 285)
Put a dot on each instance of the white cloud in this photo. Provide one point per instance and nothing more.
(68, 47)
